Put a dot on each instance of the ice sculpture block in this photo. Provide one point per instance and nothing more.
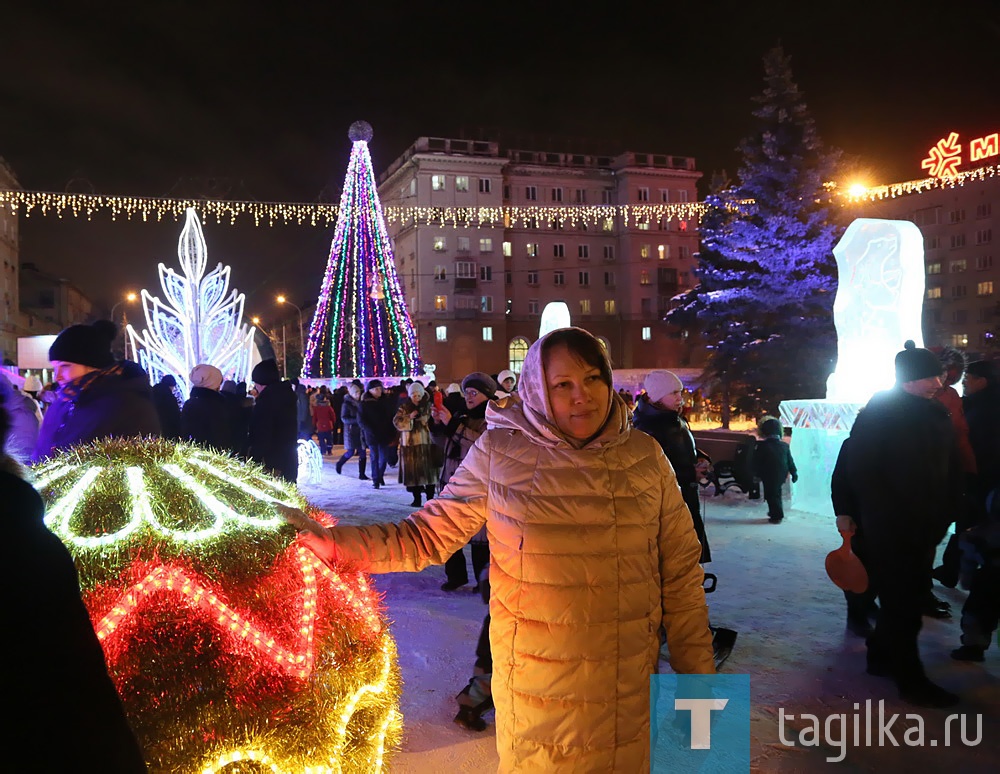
(880, 295)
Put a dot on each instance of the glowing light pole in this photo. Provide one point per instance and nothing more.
(130, 297)
(302, 341)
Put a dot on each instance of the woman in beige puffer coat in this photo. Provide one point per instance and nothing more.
(593, 550)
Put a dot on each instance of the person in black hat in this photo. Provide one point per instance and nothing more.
(97, 396)
(274, 422)
(898, 480)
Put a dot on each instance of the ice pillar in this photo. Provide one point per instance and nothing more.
(880, 293)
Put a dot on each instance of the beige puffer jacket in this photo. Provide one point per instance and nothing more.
(592, 549)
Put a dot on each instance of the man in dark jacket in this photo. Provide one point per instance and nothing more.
(208, 417)
(97, 397)
(772, 461)
(303, 414)
(375, 419)
(904, 478)
(167, 407)
(657, 413)
(274, 422)
(354, 442)
(63, 710)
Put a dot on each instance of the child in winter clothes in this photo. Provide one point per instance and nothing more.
(773, 462)
(980, 574)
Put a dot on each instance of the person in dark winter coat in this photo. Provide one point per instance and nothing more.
(24, 421)
(167, 407)
(303, 415)
(377, 412)
(980, 574)
(208, 417)
(658, 414)
(354, 442)
(461, 431)
(97, 397)
(772, 460)
(240, 409)
(903, 479)
(981, 405)
(274, 422)
(63, 710)
(417, 470)
(337, 401)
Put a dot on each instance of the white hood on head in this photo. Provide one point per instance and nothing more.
(533, 416)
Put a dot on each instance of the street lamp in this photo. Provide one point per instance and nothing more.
(129, 297)
(302, 342)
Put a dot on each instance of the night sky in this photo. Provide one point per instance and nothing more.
(241, 100)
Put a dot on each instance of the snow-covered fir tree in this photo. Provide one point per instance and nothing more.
(767, 276)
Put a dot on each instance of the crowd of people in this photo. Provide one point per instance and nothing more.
(508, 468)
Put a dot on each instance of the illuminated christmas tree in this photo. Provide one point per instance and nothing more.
(362, 326)
(233, 647)
(199, 323)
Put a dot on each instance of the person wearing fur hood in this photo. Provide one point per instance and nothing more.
(592, 553)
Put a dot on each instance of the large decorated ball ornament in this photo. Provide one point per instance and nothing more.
(233, 647)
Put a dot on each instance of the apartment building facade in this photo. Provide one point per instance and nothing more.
(476, 292)
(959, 224)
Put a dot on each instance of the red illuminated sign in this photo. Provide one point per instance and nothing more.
(945, 156)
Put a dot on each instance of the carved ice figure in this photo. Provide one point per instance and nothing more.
(880, 293)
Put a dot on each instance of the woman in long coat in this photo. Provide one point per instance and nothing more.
(417, 471)
(592, 552)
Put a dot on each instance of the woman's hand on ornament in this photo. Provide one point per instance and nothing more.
(298, 519)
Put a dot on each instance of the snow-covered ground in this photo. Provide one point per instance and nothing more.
(772, 590)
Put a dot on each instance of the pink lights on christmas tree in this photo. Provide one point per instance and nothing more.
(362, 326)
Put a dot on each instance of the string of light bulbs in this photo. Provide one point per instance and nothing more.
(157, 209)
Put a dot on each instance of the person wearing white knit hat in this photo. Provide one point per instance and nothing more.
(657, 413)
(506, 382)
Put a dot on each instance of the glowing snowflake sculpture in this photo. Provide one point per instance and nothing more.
(233, 647)
(199, 323)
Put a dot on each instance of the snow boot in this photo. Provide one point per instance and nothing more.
(416, 498)
(362, 464)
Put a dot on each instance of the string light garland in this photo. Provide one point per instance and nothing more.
(233, 647)
(893, 190)
(148, 208)
(324, 215)
(362, 326)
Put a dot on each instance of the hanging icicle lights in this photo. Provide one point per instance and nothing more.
(354, 334)
(149, 208)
